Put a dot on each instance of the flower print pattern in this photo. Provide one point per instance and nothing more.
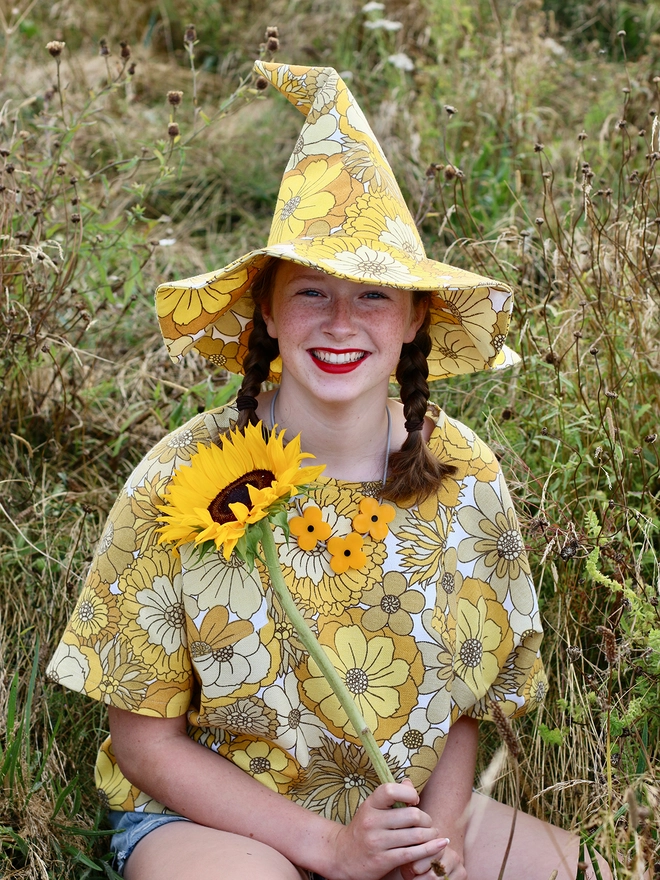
(203, 296)
(112, 555)
(309, 528)
(266, 763)
(374, 518)
(151, 605)
(392, 605)
(316, 140)
(421, 544)
(382, 682)
(298, 730)
(304, 196)
(424, 632)
(418, 732)
(226, 582)
(229, 656)
(337, 779)
(363, 262)
(96, 613)
(376, 216)
(471, 309)
(309, 575)
(246, 716)
(495, 545)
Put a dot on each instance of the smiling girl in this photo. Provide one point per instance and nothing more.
(229, 755)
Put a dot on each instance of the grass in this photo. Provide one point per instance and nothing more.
(545, 175)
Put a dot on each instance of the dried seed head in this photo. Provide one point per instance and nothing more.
(103, 47)
(594, 350)
(190, 36)
(61, 169)
(611, 394)
(9, 168)
(650, 438)
(539, 221)
(131, 68)
(577, 334)
(125, 50)
(583, 136)
(621, 34)
(622, 124)
(173, 129)
(272, 31)
(75, 218)
(551, 358)
(609, 643)
(574, 653)
(261, 83)
(272, 44)
(538, 148)
(625, 90)
(55, 47)
(451, 171)
(505, 730)
(174, 98)
(450, 110)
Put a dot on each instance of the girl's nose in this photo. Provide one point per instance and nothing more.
(340, 319)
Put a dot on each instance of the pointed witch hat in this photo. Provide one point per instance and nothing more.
(340, 210)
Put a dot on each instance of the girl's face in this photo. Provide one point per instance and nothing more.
(338, 339)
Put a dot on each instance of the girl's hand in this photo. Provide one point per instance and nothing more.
(449, 860)
(380, 839)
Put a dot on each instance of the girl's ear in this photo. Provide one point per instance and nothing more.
(267, 313)
(419, 311)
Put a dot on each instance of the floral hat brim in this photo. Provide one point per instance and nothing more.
(339, 210)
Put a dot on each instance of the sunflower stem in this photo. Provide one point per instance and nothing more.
(319, 656)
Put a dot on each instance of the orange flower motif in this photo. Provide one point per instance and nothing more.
(373, 518)
(346, 553)
(309, 528)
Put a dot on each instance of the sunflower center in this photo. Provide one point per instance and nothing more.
(237, 493)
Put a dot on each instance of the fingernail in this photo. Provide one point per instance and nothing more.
(444, 841)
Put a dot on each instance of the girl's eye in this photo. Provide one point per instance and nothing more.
(374, 294)
(309, 292)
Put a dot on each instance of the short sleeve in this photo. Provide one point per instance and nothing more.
(489, 620)
(126, 641)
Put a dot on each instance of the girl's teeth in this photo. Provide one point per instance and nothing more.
(331, 357)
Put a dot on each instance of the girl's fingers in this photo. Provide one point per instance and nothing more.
(390, 793)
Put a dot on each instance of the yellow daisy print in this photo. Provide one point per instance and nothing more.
(116, 676)
(182, 444)
(453, 351)
(265, 762)
(471, 309)
(203, 297)
(304, 196)
(536, 687)
(152, 609)
(421, 543)
(115, 549)
(376, 216)
(96, 614)
(483, 641)
(382, 682)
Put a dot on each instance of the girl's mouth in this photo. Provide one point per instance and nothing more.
(332, 361)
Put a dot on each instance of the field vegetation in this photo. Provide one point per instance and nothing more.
(526, 137)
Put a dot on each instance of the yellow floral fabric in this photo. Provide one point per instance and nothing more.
(433, 616)
(340, 210)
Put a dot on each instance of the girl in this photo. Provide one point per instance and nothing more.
(229, 755)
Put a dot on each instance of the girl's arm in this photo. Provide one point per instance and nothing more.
(447, 794)
(157, 755)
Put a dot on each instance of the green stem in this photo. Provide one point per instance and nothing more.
(319, 656)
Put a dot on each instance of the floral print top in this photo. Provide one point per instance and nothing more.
(427, 611)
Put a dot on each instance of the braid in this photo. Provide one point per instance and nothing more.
(414, 472)
(262, 349)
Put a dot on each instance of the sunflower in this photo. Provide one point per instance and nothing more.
(226, 488)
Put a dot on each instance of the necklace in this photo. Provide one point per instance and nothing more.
(389, 430)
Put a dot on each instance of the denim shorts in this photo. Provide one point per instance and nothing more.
(130, 828)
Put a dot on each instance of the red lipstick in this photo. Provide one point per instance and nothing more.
(347, 367)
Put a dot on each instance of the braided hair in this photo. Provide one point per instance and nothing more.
(262, 349)
(414, 472)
